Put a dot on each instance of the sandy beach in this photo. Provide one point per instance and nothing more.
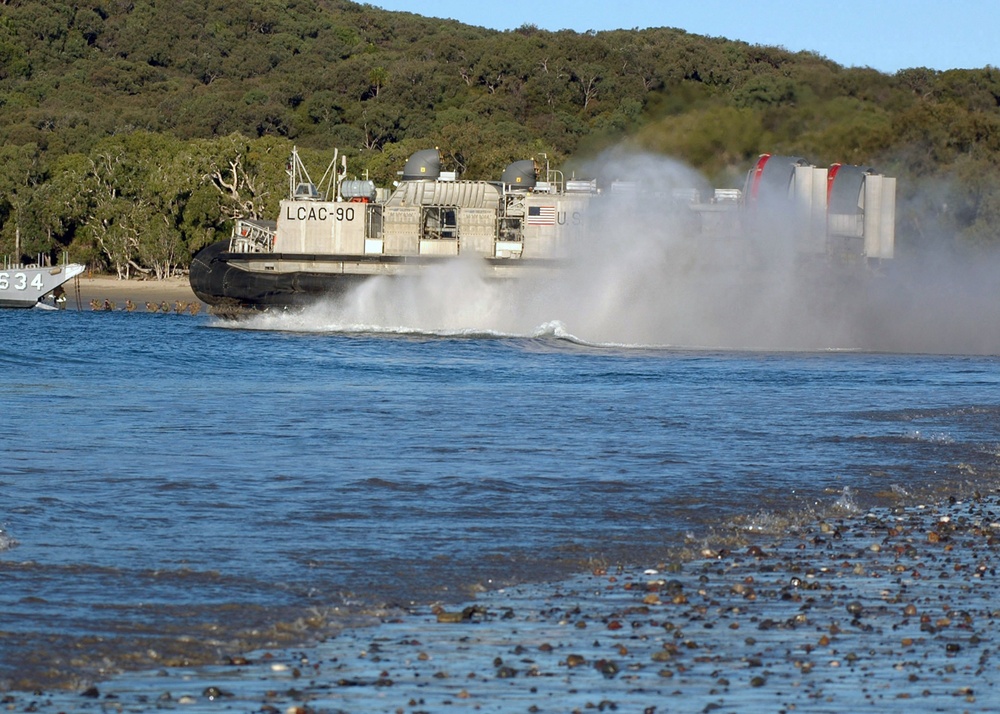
(893, 609)
(100, 291)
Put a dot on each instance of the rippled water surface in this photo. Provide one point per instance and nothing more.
(165, 479)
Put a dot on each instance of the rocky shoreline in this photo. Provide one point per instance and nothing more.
(894, 608)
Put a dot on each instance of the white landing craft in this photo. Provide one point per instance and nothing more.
(25, 286)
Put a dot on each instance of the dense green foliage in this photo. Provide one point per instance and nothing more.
(133, 132)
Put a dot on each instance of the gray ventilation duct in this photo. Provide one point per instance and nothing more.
(519, 175)
(423, 166)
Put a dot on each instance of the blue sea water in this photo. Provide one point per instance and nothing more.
(170, 480)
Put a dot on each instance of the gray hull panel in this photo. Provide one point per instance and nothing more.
(22, 287)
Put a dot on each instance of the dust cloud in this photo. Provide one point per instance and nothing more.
(640, 273)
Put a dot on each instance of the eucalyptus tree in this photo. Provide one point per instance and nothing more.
(135, 188)
(247, 174)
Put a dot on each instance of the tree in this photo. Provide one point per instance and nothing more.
(245, 173)
(160, 246)
(20, 176)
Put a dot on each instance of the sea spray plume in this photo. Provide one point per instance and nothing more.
(616, 281)
(450, 297)
(935, 300)
(939, 293)
(644, 271)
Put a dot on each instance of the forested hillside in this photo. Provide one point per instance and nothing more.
(133, 132)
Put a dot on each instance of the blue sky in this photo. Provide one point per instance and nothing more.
(887, 35)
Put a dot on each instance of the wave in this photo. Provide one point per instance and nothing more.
(6, 542)
(557, 330)
(318, 322)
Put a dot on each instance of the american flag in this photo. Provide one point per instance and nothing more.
(541, 215)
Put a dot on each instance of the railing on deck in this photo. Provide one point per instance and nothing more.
(42, 260)
(251, 236)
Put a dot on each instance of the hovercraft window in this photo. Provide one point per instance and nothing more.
(440, 222)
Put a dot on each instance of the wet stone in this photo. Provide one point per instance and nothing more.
(213, 693)
(606, 667)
